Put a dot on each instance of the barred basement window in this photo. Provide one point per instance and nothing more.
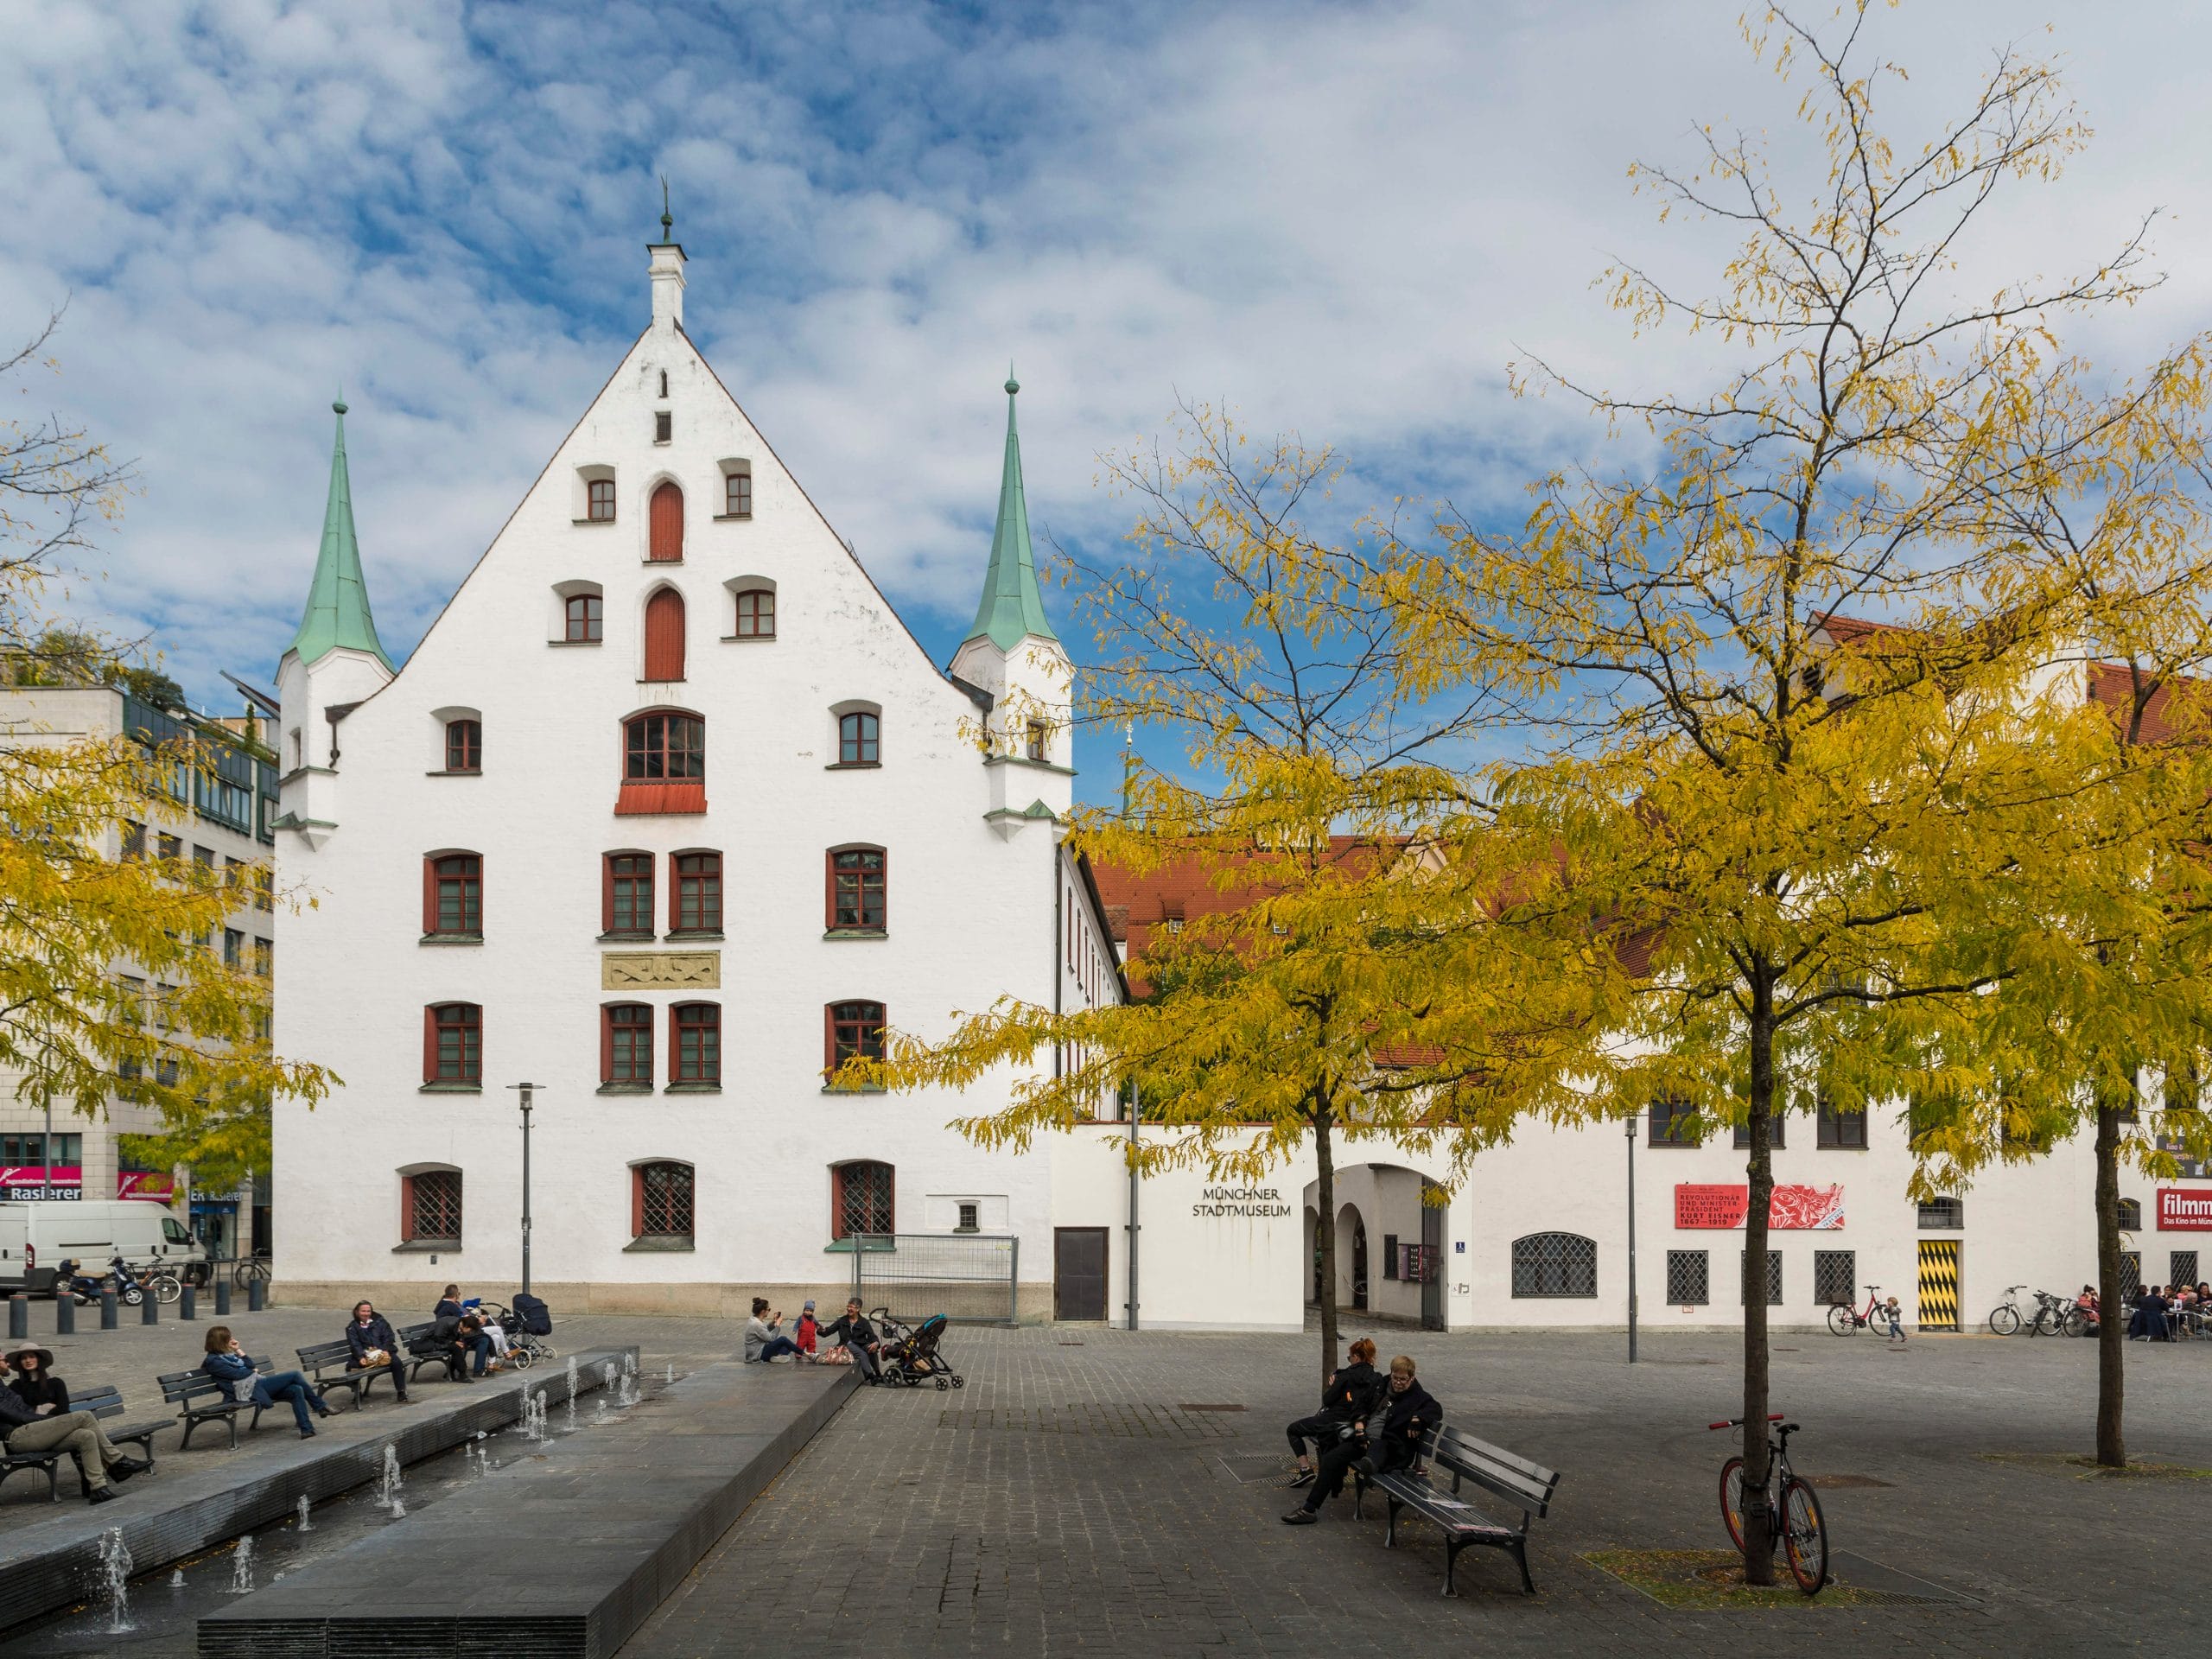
(2181, 1267)
(2130, 1214)
(2131, 1272)
(1554, 1264)
(430, 1207)
(663, 1196)
(861, 1199)
(1773, 1275)
(1835, 1278)
(1942, 1215)
(1690, 1276)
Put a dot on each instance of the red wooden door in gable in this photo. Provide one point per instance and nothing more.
(664, 544)
(664, 635)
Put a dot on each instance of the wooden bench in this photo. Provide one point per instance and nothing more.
(201, 1399)
(423, 1350)
(102, 1403)
(326, 1367)
(1521, 1485)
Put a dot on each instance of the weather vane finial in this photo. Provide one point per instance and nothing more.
(667, 220)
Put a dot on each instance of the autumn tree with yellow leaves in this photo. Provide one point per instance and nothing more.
(109, 981)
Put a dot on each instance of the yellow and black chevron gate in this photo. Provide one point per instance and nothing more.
(1939, 1284)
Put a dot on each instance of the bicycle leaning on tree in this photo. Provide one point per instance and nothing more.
(1793, 1511)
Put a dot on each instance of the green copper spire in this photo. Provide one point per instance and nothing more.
(338, 599)
(1012, 607)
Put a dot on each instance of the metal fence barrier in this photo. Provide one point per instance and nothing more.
(970, 1277)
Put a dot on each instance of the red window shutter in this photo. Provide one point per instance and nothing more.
(429, 1044)
(606, 893)
(406, 1208)
(429, 895)
(637, 1202)
(883, 875)
(828, 890)
(664, 635)
(837, 1201)
(666, 540)
(607, 1044)
(674, 1049)
(829, 1037)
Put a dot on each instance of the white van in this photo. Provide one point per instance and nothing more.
(37, 1235)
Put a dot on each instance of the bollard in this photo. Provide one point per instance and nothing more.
(222, 1299)
(107, 1310)
(19, 1317)
(149, 1310)
(65, 1315)
(256, 1295)
(187, 1306)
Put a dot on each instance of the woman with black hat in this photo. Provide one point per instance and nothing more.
(77, 1433)
(35, 1383)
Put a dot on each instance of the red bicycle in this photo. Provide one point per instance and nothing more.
(1843, 1321)
(1794, 1519)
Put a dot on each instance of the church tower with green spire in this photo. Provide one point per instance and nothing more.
(1012, 661)
(335, 660)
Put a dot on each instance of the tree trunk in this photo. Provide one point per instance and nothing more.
(2112, 1332)
(1325, 1233)
(1758, 1545)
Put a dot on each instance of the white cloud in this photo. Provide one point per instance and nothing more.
(1343, 220)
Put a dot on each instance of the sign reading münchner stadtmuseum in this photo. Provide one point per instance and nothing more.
(1256, 1202)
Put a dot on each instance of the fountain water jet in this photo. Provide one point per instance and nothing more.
(242, 1567)
(389, 1484)
(572, 1390)
(533, 1415)
(114, 1573)
(305, 1525)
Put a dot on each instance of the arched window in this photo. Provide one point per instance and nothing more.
(862, 1199)
(850, 1030)
(664, 537)
(626, 894)
(660, 1203)
(601, 492)
(696, 1036)
(464, 746)
(625, 1047)
(453, 896)
(453, 1045)
(696, 904)
(664, 748)
(858, 897)
(756, 613)
(584, 619)
(859, 738)
(1554, 1264)
(2130, 1214)
(430, 1206)
(664, 635)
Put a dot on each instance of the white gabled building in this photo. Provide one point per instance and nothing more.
(667, 811)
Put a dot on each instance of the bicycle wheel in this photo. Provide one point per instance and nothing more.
(2004, 1322)
(1804, 1536)
(1732, 1501)
(2078, 1323)
(1842, 1321)
(167, 1288)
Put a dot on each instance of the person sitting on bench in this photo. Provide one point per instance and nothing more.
(35, 1383)
(460, 1336)
(231, 1365)
(368, 1333)
(23, 1431)
(1347, 1398)
(1407, 1410)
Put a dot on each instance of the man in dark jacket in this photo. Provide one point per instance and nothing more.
(1408, 1413)
(858, 1335)
(1348, 1397)
(467, 1328)
(369, 1332)
(22, 1429)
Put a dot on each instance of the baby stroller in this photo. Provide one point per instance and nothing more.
(911, 1355)
(527, 1323)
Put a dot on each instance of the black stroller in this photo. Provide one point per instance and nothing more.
(913, 1355)
(527, 1323)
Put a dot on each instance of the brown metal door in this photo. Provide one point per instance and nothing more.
(1079, 1272)
(664, 635)
(664, 535)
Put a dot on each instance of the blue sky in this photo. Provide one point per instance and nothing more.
(1342, 218)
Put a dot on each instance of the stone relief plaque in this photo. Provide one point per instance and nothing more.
(660, 970)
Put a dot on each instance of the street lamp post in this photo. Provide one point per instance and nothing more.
(1629, 1129)
(525, 1090)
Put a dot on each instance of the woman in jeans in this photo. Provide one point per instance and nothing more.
(232, 1367)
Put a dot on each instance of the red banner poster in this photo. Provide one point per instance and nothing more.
(1790, 1208)
(141, 1184)
(2186, 1209)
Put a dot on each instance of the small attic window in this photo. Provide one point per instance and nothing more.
(663, 426)
(602, 500)
(663, 383)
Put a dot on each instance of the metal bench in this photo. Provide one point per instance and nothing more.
(201, 1399)
(327, 1366)
(103, 1403)
(1521, 1484)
